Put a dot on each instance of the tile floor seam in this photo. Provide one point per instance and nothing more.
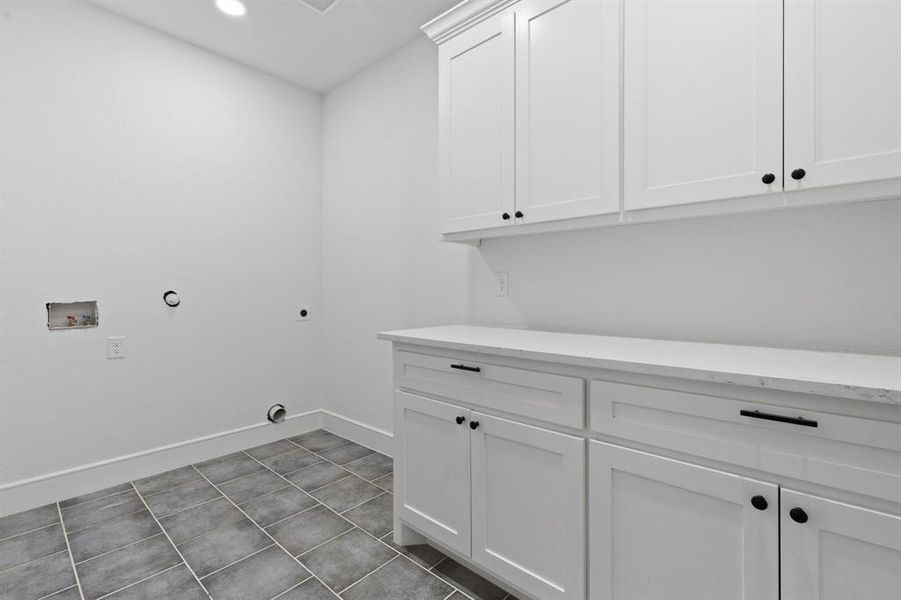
(166, 516)
(149, 537)
(62, 528)
(374, 537)
(274, 455)
(143, 579)
(30, 531)
(65, 589)
(100, 522)
(372, 572)
(169, 489)
(266, 533)
(33, 560)
(363, 502)
(300, 512)
(234, 562)
(290, 589)
(165, 533)
(323, 543)
(200, 535)
(59, 502)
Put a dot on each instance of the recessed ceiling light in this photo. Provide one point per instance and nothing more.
(233, 8)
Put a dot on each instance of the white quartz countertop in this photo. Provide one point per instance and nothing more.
(854, 376)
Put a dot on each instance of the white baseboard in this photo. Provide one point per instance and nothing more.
(52, 487)
(365, 435)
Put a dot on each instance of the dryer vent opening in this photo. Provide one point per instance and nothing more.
(276, 413)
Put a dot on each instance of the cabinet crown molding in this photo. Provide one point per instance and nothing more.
(461, 17)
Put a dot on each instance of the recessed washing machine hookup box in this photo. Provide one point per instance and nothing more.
(72, 315)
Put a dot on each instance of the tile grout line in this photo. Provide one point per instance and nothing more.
(31, 531)
(429, 570)
(128, 545)
(33, 560)
(174, 547)
(363, 530)
(291, 516)
(266, 533)
(234, 562)
(142, 580)
(105, 521)
(62, 527)
(59, 592)
(377, 569)
(339, 515)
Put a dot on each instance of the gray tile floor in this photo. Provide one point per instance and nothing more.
(307, 518)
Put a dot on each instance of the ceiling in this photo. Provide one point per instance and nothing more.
(287, 38)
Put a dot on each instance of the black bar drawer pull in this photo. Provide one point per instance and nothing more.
(756, 414)
(467, 368)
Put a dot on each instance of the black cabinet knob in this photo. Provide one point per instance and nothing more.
(759, 502)
(518, 214)
(460, 420)
(505, 216)
(798, 174)
(798, 515)
(473, 424)
(768, 178)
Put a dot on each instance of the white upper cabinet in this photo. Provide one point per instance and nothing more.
(837, 551)
(567, 109)
(556, 110)
(703, 100)
(476, 108)
(842, 91)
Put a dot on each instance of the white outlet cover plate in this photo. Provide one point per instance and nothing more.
(503, 283)
(301, 316)
(115, 347)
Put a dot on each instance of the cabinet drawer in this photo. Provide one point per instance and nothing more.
(842, 451)
(543, 396)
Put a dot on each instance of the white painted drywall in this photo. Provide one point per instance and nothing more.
(133, 163)
(824, 278)
(383, 266)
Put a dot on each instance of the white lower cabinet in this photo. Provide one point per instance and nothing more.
(837, 551)
(507, 495)
(431, 469)
(528, 506)
(665, 529)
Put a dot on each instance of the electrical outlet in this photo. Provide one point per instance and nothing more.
(503, 283)
(303, 313)
(115, 347)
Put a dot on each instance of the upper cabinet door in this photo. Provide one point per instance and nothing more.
(528, 507)
(567, 108)
(476, 108)
(703, 100)
(431, 469)
(842, 91)
(839, 551)
(666, 529)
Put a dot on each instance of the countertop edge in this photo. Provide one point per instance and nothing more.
(819, 388)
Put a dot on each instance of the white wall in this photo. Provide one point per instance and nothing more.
(824, 278)
(821, 278)
(383, 267)
(133, 163)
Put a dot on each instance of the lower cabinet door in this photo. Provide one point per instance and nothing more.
(663, 529)
(431, 469)
(836, 551)
(528, 507)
